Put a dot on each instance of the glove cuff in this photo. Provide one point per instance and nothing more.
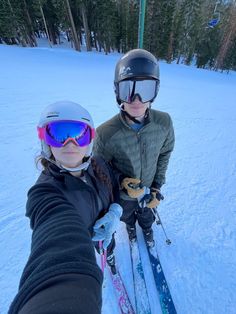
(156, 185)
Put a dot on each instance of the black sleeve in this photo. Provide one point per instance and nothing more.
(115, 179)
(67, 294)
(62, 258)
(113, 176)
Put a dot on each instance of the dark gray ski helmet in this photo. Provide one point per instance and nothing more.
(136, 64)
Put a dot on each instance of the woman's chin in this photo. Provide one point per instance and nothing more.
(72, 164)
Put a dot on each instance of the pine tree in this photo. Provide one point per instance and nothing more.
(83, 10)
(73, 25)
(152, 28)
(209, 42)
(123, 16)
(195, 29)
(103, 21)
(28, 9)
(188, 28)
(228, 37)
(8, 32)
(230, 59)
(132, 24)
(159, 28)
(51, 20)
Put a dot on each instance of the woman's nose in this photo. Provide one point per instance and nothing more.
(70, 141)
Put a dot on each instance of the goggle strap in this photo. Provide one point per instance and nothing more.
(41, 132)
(93, 133)
(131, 118)
(133, 90)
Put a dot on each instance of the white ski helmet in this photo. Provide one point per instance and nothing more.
(64, 110)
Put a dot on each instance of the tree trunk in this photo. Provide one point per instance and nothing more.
(31, 35)
(227, 41)
(18, 31)
(68, 35)
(178, 59)
(73, 29)
(52, 34)
(170, 48)
(99, 41)
(95, 40)
(45, 24)
(86, 28)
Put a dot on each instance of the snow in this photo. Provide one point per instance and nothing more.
(199, 210)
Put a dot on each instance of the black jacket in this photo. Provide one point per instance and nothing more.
(62, 270)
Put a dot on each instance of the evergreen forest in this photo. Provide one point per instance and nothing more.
(200, 32)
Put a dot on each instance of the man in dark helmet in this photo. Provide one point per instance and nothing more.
(138, 141)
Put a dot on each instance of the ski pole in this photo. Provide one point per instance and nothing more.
(146, 199)
(103, 254)
(159, 222)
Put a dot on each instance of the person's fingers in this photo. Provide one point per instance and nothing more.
(99, 235)
(107, 241)
(99, 223)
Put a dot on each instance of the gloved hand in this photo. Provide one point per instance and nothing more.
(159, 196)
(107, 225)
(151, 198)
(132, 187)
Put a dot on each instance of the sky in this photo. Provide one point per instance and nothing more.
(199, 210)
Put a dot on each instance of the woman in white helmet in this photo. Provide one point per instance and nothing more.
(73, 202)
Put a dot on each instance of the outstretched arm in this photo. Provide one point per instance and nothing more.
(61, 273)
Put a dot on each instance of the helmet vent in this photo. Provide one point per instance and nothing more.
(52, 116)
(85, 119)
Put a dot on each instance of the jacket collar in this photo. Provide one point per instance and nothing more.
(68, 179)
(147, 118)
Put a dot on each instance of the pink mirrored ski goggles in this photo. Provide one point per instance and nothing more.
(59, 133)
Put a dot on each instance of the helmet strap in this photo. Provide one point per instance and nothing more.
(83, 166)
(46, 153)
(131, 118)
(135, 120)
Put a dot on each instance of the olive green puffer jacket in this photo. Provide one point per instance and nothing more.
(142, 154)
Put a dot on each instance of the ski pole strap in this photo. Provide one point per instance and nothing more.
(159, 196)
(145, 200)
(155, 214)
(103, 254)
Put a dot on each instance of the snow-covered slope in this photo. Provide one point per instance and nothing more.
(199, 211)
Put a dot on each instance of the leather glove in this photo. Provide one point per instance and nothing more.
(107, 225)
(132, 187)
(151, 198)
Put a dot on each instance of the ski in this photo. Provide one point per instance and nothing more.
(141, 295)
(166, 302)
(121, 293)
